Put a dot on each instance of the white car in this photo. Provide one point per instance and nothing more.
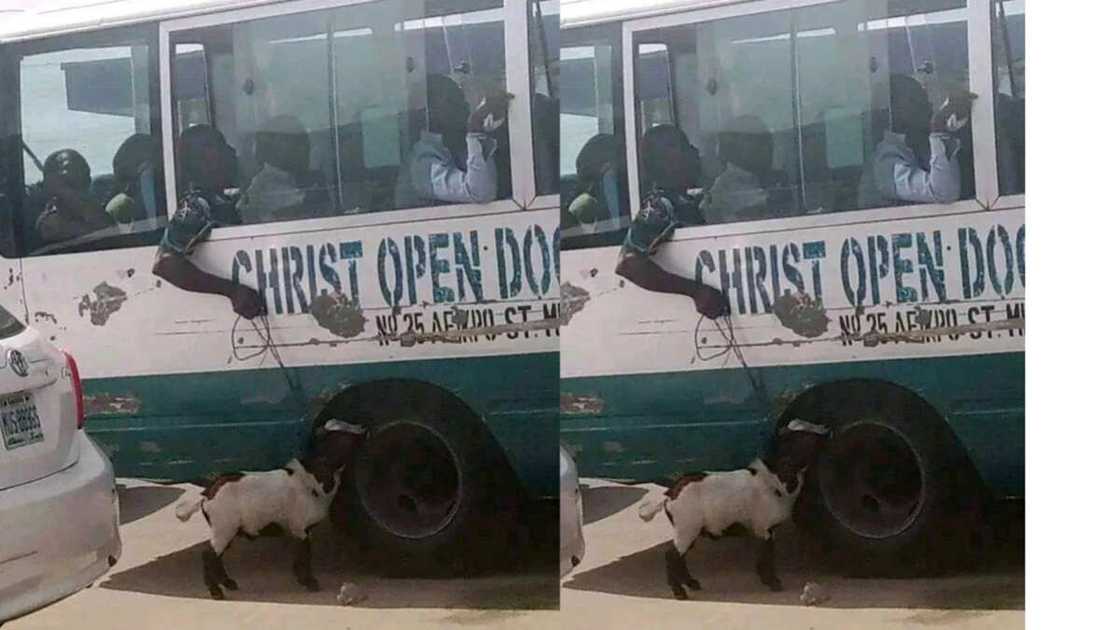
(571, 515)
(59, 516)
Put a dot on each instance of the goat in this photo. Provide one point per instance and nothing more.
(291, 500)
(757, 499)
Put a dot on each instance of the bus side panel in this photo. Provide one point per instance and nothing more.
(440, 300)
(166, 440)
(656, 426)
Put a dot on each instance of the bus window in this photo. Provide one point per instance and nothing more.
(1009, 75)
(190, 87)
(820, 109)
(82, 165)
(544, 50)
(350, 110)
(593, 198)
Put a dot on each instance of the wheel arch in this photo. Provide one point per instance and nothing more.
(365, 402)
(824, 403)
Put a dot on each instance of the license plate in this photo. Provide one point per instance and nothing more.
(19, 421)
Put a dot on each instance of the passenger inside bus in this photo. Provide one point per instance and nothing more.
(917, 159)
(454, 159)
(672, 166)
(69, 210)
(134, 175)
(285, 188)
(207, 166)
(740, 192)
(597, 177)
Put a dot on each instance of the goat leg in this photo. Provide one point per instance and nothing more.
(212, 571)
(765, 564)
(675, 572)
(302, 565)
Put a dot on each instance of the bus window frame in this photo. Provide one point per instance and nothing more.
(978, 16)
(516, 28)
(609, 34)
(18, 49)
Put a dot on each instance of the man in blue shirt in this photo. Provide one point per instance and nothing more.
(453, 161)
(672, 164)
(917, 161)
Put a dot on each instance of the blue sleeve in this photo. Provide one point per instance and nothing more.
(191, 223)
(655, 223)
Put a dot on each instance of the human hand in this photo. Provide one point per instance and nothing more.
(490, 113)
(710, 302)
(953, 114)
(246, 302)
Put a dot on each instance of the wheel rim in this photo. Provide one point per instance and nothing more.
(410, 480)
(872, 480)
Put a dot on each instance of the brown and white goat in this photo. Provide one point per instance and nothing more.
(290, 500)
(757, 498)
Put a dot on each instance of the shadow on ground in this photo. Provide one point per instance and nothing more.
(603, 501)
(263, 569)
(725, 569)
(139, 501)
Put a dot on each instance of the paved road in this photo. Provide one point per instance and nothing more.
(622, 577)
(158, 584)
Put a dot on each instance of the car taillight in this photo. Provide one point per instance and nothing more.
(76, 383)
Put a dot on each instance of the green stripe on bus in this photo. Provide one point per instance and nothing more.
(653, 426)
(188, 426)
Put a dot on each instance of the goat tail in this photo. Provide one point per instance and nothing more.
(188, 506)
(650, 507)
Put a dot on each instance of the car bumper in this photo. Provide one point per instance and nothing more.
(59, 533)
(571, 515)
(571, 532)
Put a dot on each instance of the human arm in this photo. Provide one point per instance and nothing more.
(644, 272)
(478, 183)
(181, 272)
(941, 182)
(191, 224)
(655, 223)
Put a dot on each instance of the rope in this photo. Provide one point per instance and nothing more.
(267, 345)
(731, 346)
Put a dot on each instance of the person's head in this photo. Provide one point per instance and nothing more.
(596, 155)
(748, 145)
(910, 108)
(668, 158)
(66, 173)
(206, 159)
(135, 154)
(448, 109)
(283, 142)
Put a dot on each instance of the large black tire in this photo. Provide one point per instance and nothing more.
(893, 494)
(429, 494)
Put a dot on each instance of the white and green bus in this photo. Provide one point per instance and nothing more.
(432, 323)
(899, 323)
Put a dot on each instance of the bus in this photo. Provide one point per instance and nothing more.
(896, 321)
(431, 323)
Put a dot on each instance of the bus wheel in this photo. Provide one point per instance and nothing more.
(893, 495)
(429, 496)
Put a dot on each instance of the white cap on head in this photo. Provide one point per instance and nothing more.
(802, 425)
(335, 424)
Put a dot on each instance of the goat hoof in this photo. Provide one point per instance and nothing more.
(216, 593)
(693, 584)
(230, 584)
(679, 592)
